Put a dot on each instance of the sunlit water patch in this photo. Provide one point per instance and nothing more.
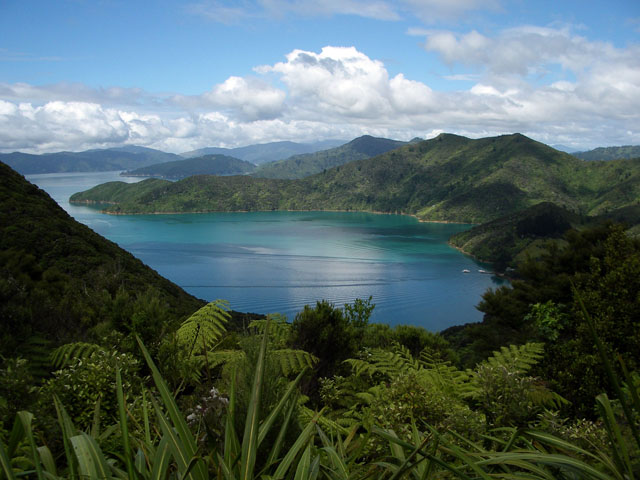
(279, 261)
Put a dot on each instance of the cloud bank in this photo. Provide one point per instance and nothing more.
(546, 83)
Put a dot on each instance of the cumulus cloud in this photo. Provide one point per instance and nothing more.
(340, 92)
(246, 98)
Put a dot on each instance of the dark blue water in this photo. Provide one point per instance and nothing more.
(279, 261)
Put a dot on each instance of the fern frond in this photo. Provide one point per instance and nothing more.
(517, 358)
(305, 415)
(361, 367)
(65, 354)
(444, 376)
(279, 328)
(37, 351)
(293, 361)
(205, 327)
(543, 397)
(220, 357)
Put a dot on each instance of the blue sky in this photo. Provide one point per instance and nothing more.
(77, 74)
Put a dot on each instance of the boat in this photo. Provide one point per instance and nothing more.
(466, 271)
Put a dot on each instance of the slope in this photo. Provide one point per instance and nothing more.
(610, 153)
(205, 165)
(265, 152)
(59, 279)
(300, 166)
(448, 178)
(88, 161)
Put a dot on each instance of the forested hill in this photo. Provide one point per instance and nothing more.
(101, 160)
(265, 152)
(300, 166)
(205, 165)
(448, 178)
(610, 153)
(59, 279)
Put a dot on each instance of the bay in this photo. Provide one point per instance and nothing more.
(269, 262)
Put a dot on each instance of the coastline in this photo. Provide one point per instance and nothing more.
(375, 212)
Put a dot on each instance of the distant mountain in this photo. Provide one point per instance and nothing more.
(448, 178)
(610, 153)
(300, 166)
(564, 148)
(101, 160)
(205, 165)
(60, 279)
(265, 152)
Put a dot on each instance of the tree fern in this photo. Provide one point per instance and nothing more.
(293, 361)
(517, 358)
(65, 354)
(387, 363)
(279, 329)
(205, 327)
(37, 351)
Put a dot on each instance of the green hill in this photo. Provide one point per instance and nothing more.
(205, 165)
(88, 161)
(59, 279)
(448, 178)
(610, 153)
(265, 152)
(300, 166)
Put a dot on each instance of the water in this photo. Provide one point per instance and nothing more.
(279, 261)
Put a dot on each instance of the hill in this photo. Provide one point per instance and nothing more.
(300, 166)
(448, 178)
(265, 152)
(103, 160)
(610, 153)
(205, 165)
(59, 279)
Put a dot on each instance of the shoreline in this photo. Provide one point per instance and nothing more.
(375, 212)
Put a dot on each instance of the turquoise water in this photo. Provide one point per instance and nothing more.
(279, 261)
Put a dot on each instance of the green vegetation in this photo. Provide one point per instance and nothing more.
(509, 240)
(610, 153)
(147, 385)
(60, 281)
(300, 166)
(448, 178)
(87, 161)
(205, 165)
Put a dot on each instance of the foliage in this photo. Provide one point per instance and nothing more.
(609, 153)
(205, 327)
(85, 383)
(303, 165)
(59, 279)
(448, 178)
(17, 388)
(328, 334)
(204, 165)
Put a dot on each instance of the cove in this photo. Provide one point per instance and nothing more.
(268, 262)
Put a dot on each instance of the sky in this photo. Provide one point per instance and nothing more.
(182, 75)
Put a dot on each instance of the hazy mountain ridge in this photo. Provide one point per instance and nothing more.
(448, 178)
(300, 166)
(266, 152)
(100, 160)
(204, 165)
(610, 153)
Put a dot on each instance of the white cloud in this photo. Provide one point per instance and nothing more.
(427, 11)
(245, 98)
(340, 92)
